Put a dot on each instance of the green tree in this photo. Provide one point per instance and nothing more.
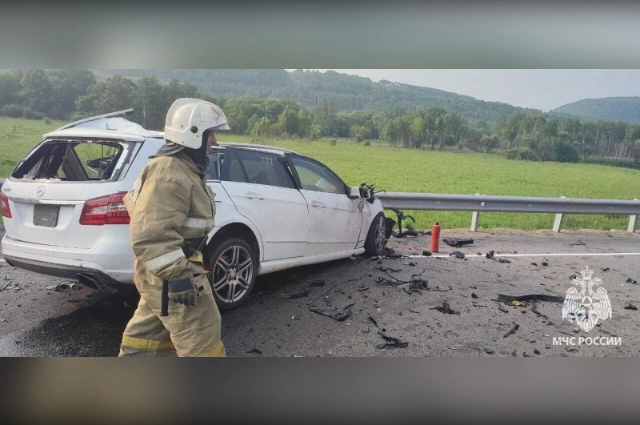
(489, 143)
(114, 94)
(9, 87)
(324, 115)
(37, 91)
(288, 121)
(68, 85)
(149, 105)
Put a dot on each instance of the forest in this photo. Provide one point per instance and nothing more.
(446, 122)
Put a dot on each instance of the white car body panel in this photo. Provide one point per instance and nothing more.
(280, 213)
(278, 265)
(334, 222)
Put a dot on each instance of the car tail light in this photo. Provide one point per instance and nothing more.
(6, 209)
(108, 209)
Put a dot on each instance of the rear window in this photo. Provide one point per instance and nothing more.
(74, 161)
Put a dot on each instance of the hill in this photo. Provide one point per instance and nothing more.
(346, 92)
(625, 109)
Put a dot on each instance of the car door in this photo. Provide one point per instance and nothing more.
(262, 190)
(334, 218)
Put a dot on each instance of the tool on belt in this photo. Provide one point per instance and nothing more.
(182, 289)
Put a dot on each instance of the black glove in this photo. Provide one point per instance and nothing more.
(183, 291)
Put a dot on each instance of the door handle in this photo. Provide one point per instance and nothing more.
(317, 204)
(253, 195)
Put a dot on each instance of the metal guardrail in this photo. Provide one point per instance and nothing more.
(514, 204)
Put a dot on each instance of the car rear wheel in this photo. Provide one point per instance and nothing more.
(233, 272)
(377, 237)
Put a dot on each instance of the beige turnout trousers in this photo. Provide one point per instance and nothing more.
(186, 331)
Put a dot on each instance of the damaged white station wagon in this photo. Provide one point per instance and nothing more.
(275, 209)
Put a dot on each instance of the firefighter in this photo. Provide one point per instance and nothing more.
(172, 209)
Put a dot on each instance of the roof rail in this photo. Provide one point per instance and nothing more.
(124, 112)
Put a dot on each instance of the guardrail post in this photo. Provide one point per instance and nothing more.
(474, 220)
(557, 224)
(633, 221)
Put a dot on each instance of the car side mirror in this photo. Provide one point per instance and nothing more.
(360, 193)
(355, 193)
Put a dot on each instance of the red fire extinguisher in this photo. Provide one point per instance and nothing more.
(435, 237)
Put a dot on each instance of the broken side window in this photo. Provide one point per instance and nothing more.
(72, 161)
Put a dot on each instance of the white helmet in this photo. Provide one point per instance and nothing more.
(188, 119)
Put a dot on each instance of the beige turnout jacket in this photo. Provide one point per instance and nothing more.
(170, 202)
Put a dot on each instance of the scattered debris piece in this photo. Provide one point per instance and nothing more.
(340, 315)
(502, 309)
(390, 253)
(298, 294)
(323, 294)
(254, 350)
(508, 299)
(630, 306)
(457, 254)
(573, 277)
(503, 260)
(388, 269)
(490, 254)
(632, 281)
(414, 311)
(534, 264)
(512, 331)
(517, 303)
(489, 351)
(579, 243)
(418, 284)
(445, 308)
(61, 287)
(391, 341)
(409, 232)
(544, 263)
(536, 351)
(317, 283)
(534, 309)
(606, 269)
(6, 285)
(426, 253)
(474, 295)
(412, 264)
(375, 322)
(363, 288)
(457, 243)
(402, 216)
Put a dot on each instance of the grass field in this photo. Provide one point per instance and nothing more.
(404, 170)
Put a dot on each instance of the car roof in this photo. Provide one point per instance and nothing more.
(107, 126)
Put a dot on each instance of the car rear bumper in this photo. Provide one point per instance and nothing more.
(94, 279)
(83, 265)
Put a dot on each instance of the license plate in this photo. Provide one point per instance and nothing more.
(45, 215)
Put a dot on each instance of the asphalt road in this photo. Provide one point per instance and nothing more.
(37, 320)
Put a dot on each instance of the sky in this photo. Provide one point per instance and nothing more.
(543, 89)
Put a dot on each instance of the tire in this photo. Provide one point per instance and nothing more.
(232, 287)
(376, 238)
